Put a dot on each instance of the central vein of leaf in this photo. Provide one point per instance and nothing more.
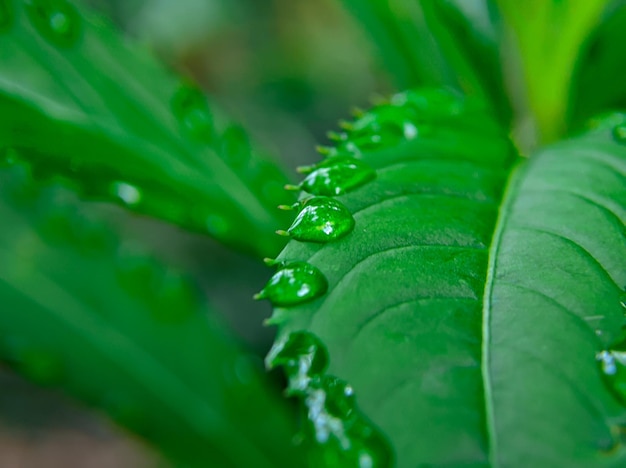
(486, 316)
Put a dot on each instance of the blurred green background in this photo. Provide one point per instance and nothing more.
(287, 70)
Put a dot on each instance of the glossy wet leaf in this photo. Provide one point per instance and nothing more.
(85, 105)
(468, 306)
(128, 336)
(549, 35)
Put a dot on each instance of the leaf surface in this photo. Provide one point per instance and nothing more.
(128, 336)
(468, 306)
(84, 104)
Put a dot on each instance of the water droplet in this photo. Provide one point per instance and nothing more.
(619, 133)
(622, 300)
(340, 401)
(129, 194)
(370, 449)
(322, 219)
(6, 14)
(192, 111)
(337, 176)
(303, 357)
(56, 20)
(294, 284)
(607, 361)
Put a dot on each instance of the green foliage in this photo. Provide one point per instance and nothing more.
(120, 331)
(442, 300)
(83, 104)
(467, 306)
(549, 35)
(432, 42)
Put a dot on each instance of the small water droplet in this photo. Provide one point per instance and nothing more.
(622, 300)
(619, 133)
(56, 20)
(192, 111)
(322, 219)
(129, 194)
(6, 14)
(340, 401)
(303, 357)
(607, 360)
(337, 176)
(294, 284)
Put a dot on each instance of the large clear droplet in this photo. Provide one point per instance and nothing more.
(322, 219)
(294, 284)
(337, 176)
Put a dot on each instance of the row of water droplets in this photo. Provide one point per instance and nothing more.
(323, 219)
(334, 419)
(59, 22)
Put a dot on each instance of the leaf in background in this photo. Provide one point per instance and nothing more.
(595, 87)
(85, 105)
(126, 335)
(549, 35)
(438, 43)
(468, 304)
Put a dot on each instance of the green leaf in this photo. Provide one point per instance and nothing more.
(468, 305)
(85, 105)
(128, 336)
(594, 87)
(438, 43)
(549, 35)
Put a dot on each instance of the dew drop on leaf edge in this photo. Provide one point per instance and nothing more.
(294, 284)
(338, 176)
(322, 219)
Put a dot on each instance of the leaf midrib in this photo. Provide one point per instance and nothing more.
(503, 212)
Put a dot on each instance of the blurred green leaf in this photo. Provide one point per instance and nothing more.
(596, 84)
(549, 35)
(88, 106)
(122, 333)
(436, 42)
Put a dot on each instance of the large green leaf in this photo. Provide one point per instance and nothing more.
(128, 336)
(86, 105)
(549, 35)
(467, 302)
